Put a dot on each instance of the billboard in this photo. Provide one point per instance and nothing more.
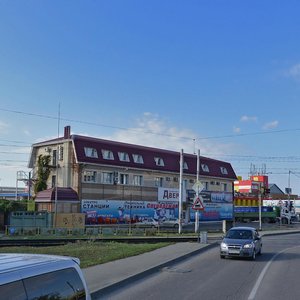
(118, 211)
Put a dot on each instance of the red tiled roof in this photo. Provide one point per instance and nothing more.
(171, 158)
(63, 194)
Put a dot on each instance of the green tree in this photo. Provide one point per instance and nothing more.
(43, 172)
(7, 206)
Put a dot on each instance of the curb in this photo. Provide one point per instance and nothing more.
(280, 233)
(110, 288)
(117, 285)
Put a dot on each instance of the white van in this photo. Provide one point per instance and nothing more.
(33, 276)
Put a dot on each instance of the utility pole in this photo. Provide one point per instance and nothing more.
(56, 168)
(197, 193)
(180, 192)
(29, 185)
(259, 205)
(289, 199)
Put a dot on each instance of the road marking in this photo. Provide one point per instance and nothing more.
(263, 272)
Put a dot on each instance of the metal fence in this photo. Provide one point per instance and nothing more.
(88, 231)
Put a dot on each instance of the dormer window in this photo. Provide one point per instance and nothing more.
(159, 161)
(107, 154)
(185, 166)
(137, 158)
(223, 170)
(204, 168)
(123, 156)
(90, 152)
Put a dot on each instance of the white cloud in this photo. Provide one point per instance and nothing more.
(3, 126)
(26, 132)
(236, 129)
(294, 72)
(248, 119)
(270, 125)
(152, 131)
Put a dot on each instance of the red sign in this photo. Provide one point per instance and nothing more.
(198, 205)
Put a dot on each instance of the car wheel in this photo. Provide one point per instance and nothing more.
(222, 256)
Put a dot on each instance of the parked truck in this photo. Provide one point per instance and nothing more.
(288, 213)
(253, 194)
(251, 213)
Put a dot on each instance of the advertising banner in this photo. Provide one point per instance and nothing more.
(118, 211)
(167, 194)
(214, 212)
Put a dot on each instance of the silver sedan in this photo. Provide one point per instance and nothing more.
(241, 242)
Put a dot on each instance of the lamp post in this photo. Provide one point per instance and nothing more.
(289, 200)
(259, 206)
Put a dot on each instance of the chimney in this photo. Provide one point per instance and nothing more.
(67, 133)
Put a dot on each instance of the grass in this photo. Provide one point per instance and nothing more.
(90, 253)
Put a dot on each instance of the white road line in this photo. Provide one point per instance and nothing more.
(263, 272)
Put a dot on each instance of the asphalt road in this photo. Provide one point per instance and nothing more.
(274, 275)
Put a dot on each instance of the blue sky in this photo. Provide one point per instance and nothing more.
(221, 76)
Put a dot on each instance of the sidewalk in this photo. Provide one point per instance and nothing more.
(106, 277)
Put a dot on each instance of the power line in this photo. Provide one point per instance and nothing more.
(13, 160)
(15, 146)
(17, 142)
(150, 132)
(249, 134)
(6, 152)
(94, 124)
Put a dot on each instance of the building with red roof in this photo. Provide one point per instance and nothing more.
(95, 169)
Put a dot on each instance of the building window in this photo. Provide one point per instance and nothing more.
(107, 178)
(159, 181)
(185, 184)
(90, 152)
(53, 181)
(61, 153)
(107, 154)
(205, 184)
(89, 176)
(123, 156)
(225, 187)
(185, 166)
(204, 168)
(137, 158)
(137, 180)
(124, 179)
(54, 157)
(224, 170)
(159, 161)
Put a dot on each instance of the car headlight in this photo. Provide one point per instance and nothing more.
(223, 245)
(247, 246)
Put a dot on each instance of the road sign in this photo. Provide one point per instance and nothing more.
(198, 187)
(198, 204)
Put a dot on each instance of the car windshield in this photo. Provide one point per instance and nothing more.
(239, 234)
